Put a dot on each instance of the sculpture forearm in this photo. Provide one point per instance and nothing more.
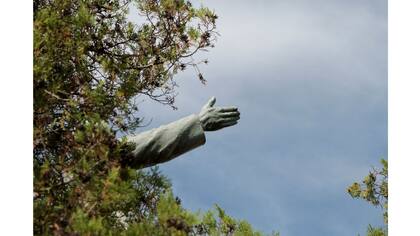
(167, 142)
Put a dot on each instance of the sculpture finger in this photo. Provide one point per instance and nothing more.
(231, 123)
(211, 102)
(230, 114)
(228, 109)
(229, 119)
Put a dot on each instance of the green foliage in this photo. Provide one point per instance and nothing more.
(372, 231)
(90, 63)
(374, 189)
(174, 220)
(169, 219)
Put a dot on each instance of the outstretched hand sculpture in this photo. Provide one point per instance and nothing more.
(169, 141)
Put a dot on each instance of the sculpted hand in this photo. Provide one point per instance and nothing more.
(215, 118)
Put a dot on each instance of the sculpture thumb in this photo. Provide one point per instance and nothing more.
(211, 102)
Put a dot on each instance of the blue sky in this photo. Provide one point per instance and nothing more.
(310, 80)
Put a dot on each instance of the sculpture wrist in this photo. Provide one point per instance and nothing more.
(202, 119)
